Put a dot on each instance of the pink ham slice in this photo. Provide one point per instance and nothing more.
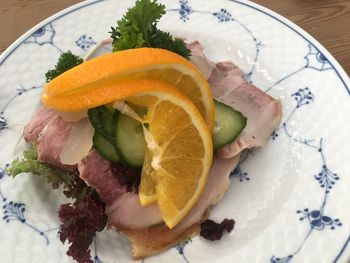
(229, 86)
(123, 208)
(225, 77)
(262, 111)
(48, 129)
(51, 140)
(96, 171)
(127, 213)
(199, 59)
(37, 123)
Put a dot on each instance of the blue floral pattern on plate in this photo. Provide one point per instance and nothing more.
(326, 178)
(314, 59)
(85, 42)
(15, 211)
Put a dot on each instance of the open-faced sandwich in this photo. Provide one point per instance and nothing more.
(144, 138)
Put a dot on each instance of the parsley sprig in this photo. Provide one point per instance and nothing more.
(66, 61)
(138, 28)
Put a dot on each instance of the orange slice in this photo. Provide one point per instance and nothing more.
(141, 63)
(147, 188)
(178, 158)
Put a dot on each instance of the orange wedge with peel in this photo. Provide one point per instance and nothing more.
(134, 64)
(178, 139)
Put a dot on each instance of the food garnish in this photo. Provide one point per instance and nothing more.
(127, 176)
(73, 186)
(213, 231)
(67, 60)
(103, 121)
(80, 222)
(229, 124)
(138, 28)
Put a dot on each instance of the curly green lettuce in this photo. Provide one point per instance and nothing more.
(73, 186)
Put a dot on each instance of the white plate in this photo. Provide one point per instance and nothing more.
(290, 199)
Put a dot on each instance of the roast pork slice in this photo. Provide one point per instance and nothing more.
(262, 111)
(51, 141)
(199, 59)
(123, 208)
(37, 123)
(230, 87)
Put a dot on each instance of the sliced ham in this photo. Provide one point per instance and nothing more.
(157, 238)
(123, 208)
(37, 123)
(225, 77)
(96, 171)
(52, 134)
(199, 59)
(262, 111)
(127, 213)
(51, 141)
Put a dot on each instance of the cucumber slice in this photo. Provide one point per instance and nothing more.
(105, 148)
(130, 141)
(103, 121)
(229, 124)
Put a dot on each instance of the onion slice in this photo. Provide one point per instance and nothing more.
(78, 144)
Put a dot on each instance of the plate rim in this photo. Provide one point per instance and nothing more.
(19, 41)
(344, 77)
